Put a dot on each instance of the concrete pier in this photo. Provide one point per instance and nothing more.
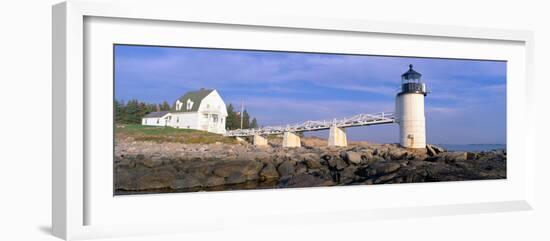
(259, 140)
(291, 140)
(337, 137)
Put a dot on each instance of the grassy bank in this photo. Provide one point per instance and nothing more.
(161, 134)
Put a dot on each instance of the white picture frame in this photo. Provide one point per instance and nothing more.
(73, 190)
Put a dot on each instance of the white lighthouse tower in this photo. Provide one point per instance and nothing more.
(409, 110)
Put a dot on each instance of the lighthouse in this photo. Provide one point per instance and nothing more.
(409, 110)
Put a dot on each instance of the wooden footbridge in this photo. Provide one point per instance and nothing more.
(337, 135)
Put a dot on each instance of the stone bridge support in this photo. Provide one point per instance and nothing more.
(259, 140)
(337, 137)
(291, 140)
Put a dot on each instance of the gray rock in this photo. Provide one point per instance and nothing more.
(153, 161)
(337, 163)
(200, 167)
(269, 172)
(397, 153)
(352, 157)
(124, 180)
(348, 175)
(312, 161)
(383, 168)
(454, 156)
(144, 166)
(306, 180)
(367, 156)
(185, 183)
(300, 168)
(430, 150)
(435, 148)
(213, 181)
(235, 178)
(247, 168)
(156, 179)
(385, 178)
(286, 168)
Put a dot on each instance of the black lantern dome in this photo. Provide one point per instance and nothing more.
(411, 75)
(411, 83)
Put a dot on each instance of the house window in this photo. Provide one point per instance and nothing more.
(215, 118)
(178, 105)
(178, 119)
(189, 104)
(158, 121)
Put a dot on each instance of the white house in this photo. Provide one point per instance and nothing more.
(200, 110)
(158, 118)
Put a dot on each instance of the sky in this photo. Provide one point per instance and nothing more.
(466, 103)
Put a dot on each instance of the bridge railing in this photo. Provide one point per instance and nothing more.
(357, 120)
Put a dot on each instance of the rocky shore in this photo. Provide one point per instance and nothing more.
(148, 167)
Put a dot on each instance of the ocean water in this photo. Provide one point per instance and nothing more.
(472, 147)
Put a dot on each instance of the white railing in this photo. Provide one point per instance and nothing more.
(357, 120)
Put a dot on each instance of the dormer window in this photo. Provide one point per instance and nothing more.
(189, 104)
(178, 105)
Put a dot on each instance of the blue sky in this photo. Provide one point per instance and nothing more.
(467, 103)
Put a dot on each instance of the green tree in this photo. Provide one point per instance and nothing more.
(132, 112)
(254, 123)
(165, 106)
(232, 121)
(246, 120)
(118, 107)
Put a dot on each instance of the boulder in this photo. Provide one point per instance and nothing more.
(384, 168)
(312, 161)
(348, 175)
(153, 161)
(397, 153)
(156, 179)
(352, 157)
(247, 168)
(367, 156)
(431, 151)
(457, 156)
(213, 181)
(201, 167)
(306, 180)
(269, 172)
(337, 163)
(189, 182)
(435, 148)
(123, 180)
(385, 178)
(300, 168)
(235, 178)
(286, 168)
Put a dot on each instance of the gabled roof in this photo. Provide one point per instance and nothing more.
(156, 114)
(196, 97)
